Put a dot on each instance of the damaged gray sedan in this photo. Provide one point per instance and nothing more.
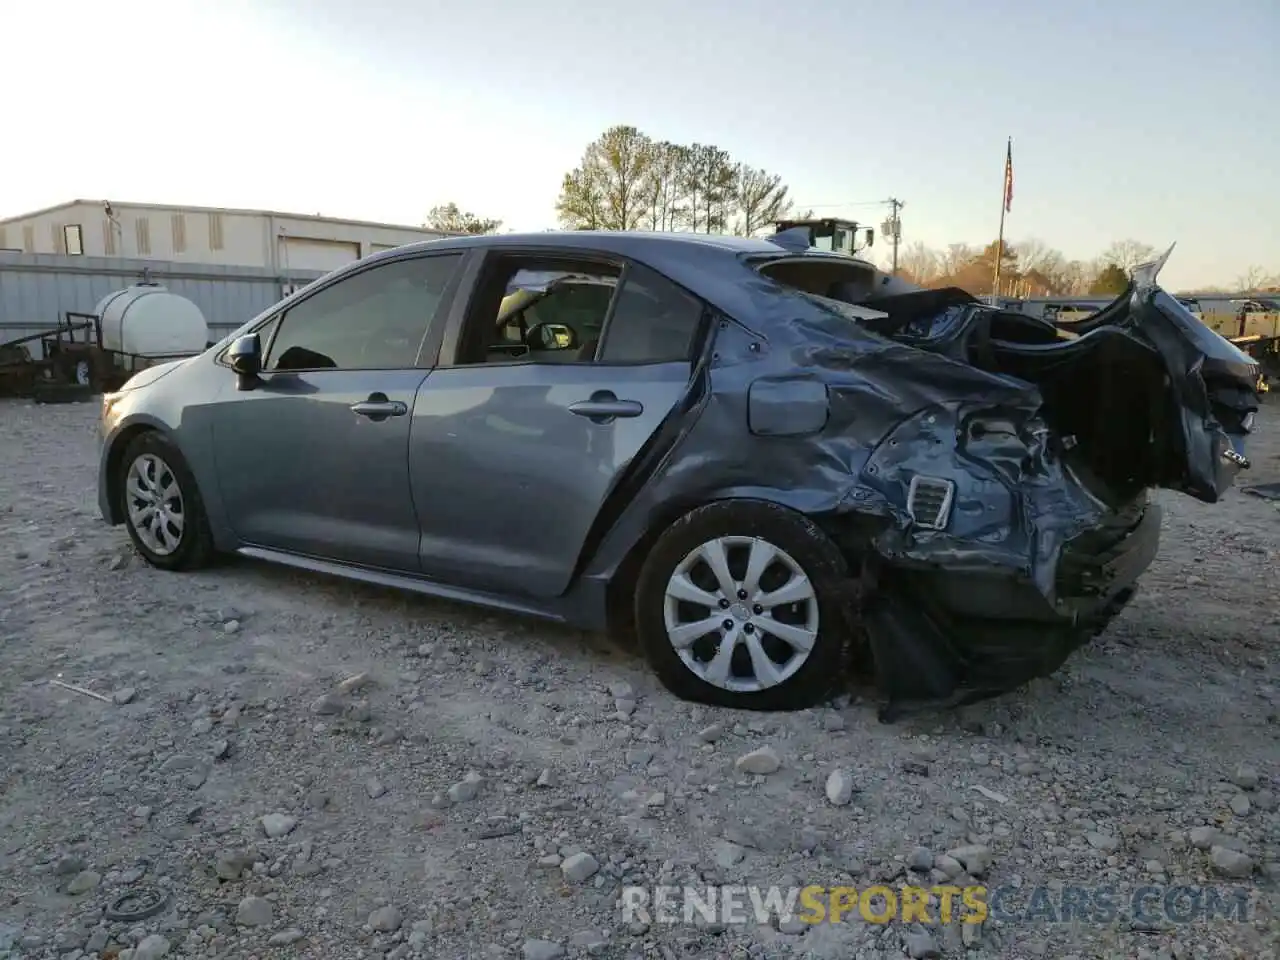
(769, 461)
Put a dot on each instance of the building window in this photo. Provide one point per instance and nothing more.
(59, 240)
(29, 239)
(4, 238)
(109, 237)
(72, 240)
(215, 231)
(143, 229)
(179, 225)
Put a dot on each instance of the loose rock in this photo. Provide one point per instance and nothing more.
(1231, 863)
(762, 761)
(254, 912)
(839, 787)
(466, 789)
(83, 882)
(386, 919)
(579, 867)
(541, 950)
(151, 947)
(277, 825)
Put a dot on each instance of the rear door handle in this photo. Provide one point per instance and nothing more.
(378, 407)
(604, 407)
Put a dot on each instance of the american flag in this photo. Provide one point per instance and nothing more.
(1008, 177)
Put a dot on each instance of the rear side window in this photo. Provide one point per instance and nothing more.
(373, 320)
(653, 321)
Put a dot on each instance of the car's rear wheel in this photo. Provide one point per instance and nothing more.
(741, 604)
(161, 504)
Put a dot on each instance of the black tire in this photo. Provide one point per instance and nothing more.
(817, 557)
(195, 543)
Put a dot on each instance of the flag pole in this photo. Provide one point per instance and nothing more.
(1005, 197)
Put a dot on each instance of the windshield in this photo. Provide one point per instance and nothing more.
(838, 241)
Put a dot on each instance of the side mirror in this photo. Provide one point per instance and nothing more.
(871, 237)
(551, 336)
(245, 357)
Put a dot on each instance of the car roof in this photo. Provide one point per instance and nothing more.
(625, 242)
(707, 265)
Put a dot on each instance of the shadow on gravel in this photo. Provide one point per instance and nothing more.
(275, 584)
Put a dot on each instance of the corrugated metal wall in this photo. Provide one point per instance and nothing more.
(37, 289)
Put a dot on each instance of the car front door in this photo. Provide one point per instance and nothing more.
(511, 458)
(312, 459)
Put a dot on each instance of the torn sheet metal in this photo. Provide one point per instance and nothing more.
(1033, 559)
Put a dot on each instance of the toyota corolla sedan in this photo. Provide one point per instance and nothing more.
(768, 462)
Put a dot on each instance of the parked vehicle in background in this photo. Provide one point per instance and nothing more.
(762, 457)
(1193, 307)
(129, 330)
(1253, 325)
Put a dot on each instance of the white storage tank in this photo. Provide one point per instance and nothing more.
(146, 322)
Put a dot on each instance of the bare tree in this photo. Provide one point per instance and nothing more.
(607, 189)
(918, 264)
(1256, 279)
(1127, 254)
(1035, 254)
(956, 257)
(760, 198)
(662, 185)
(583, 204)
(448, 218)
(709, 177)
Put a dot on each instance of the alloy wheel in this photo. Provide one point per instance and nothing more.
(153, 498)
(741, 614)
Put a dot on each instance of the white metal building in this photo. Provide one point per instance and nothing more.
(281, 242)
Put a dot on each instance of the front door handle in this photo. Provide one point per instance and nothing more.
(378, 407)
(604, 407)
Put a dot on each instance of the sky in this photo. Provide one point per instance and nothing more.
(1156, 120)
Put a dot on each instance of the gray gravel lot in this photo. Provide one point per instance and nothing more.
(482, 786)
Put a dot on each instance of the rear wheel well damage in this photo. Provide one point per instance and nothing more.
(115, 459)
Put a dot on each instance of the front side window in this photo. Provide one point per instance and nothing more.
(374, 320)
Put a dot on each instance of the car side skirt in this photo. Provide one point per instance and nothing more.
(568, 610)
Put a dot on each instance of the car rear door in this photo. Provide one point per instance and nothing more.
(313, 459)
(512, 458)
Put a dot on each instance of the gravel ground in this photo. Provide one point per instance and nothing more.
(439, 802)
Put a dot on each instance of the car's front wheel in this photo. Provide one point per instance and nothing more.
(161, 504)
(740, 604)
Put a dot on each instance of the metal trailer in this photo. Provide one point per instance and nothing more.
(72, 363)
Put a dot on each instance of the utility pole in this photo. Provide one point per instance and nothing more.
(893, 227)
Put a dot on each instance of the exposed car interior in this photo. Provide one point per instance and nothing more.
(1086, 381)
(545, 312)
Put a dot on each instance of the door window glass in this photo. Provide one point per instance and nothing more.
(525, 311)
(374, 320)
(563, 315)
(654, 321)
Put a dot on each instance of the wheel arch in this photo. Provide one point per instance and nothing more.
(116, 447)
(620, 585)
